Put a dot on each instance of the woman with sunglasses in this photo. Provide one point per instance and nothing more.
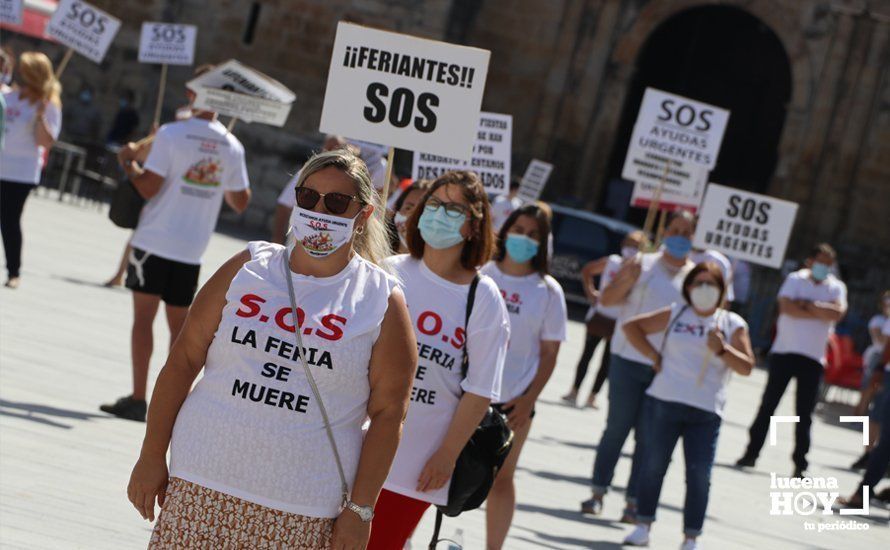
(702, 344)
(263, 454)
(449, 235)
(537, 308)
(403, 207)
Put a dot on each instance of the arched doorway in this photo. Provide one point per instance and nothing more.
(725, 56)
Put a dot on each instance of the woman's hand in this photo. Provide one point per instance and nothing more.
(437, 471)
(716, 343)
(656, 362)
(519, 411)
(148, 480)
(350, 532)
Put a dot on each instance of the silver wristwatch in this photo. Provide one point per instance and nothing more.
(365, 513)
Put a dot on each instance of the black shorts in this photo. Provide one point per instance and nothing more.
(175, 282)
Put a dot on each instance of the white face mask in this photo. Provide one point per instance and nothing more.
(628, 252)
(320, 234)
(704, 297)
(401, 223)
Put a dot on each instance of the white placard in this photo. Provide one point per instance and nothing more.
(11, 11)
(683, 129)
(167, 43)
(407, 92)
(84, 28)
(744, 225)
(680, 177)
(644, 193)
(242, 106)
(533, 181)
(490, 158)
(235, 90)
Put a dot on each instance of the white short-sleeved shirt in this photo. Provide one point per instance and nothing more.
(199, 160)
(252, 427)
(21, 159)
(613, 264)
(288, 195)
(656, 288)
(886, 332)
(690, 373)
(876, 322)
(721, 260)
(807, 337)
(537, 309)
(437, 309)
(501, 208)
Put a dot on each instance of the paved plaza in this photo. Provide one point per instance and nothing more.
(64, 466)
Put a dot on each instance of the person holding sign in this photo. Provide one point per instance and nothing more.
(811, 301)
(537, 307)
(702, 344)
(193, 165)
(449, 235)
(251, 446)
(33, 122)
(646, 283)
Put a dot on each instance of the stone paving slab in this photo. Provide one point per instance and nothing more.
(64, 466)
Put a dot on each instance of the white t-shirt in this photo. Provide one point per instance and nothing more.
(501, 209)
(655, 288)
(437, 309)
(741, 280)
(21, 159)
(886, 332)
(721, 260)
(199, 160)
(288, 195)
(613, 264)
(807, 337)
(537, 309)
(252, 427)
(686, 359)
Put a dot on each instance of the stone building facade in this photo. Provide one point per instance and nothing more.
(808, 82)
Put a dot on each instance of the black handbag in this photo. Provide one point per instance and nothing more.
(482, 457)
(126, 205)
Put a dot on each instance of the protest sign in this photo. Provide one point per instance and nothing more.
(490, 157)
(679, 128)
(408, 92)
(11, 11)
(235, 90)
(647, 167)
(536, 175)
(167, 43)
(83, 28)
(744, 225)
(644, 193)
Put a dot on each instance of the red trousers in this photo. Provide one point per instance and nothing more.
(395, 518)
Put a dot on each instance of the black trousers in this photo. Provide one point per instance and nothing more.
(782, 368)
(581, 370)
(12, 202)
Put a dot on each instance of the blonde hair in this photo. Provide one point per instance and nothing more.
(371, 244)
(38, 81)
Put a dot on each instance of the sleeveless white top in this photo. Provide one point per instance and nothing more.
(251, 427)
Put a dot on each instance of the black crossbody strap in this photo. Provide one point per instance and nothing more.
(471, 297)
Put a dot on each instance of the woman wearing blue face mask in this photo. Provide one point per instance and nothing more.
(448, 235)
(537, 308)
(646, 283)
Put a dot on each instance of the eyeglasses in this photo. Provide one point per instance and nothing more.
(336, 203)
(452, 209)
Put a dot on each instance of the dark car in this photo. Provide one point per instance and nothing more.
(579, 237)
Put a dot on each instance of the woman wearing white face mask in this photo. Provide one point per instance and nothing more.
(538, 319)
(646, 283)
(403, 207)
(702, 345)
(449, 235)
(268, 449)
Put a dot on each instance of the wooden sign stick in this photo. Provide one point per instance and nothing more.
(64, 63)
(383, 194)
(232, 123)
(161, 88)
(656, 200)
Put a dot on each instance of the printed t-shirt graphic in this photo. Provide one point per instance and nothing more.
(21, 159)
(537, 309)
(437, 308)
(199, 160)
(251, 427)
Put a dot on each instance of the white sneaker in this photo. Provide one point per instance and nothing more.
(639, 536)
(689, 544)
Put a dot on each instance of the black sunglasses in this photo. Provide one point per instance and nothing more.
(336, 203)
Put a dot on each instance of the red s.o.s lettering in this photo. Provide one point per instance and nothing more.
(330, 322)
(460, 336)
(283, 313)
(422, 324)
(252, 302)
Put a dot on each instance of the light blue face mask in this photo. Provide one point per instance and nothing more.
(678, 246)
(520, 248)
(820, 271)
(438, 229)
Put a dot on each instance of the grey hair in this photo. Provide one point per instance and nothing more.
(373, 243)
